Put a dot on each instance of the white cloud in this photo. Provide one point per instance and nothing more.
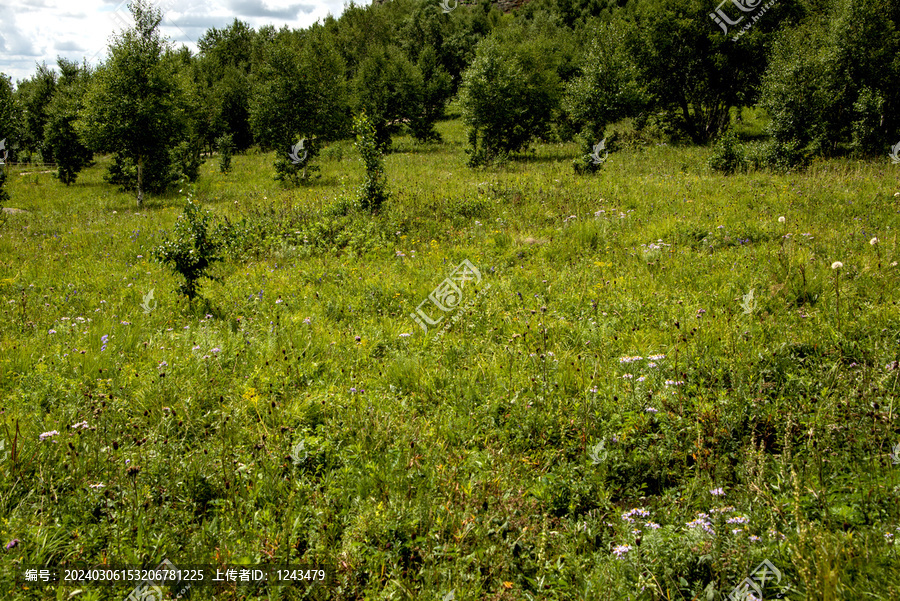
(36, 31)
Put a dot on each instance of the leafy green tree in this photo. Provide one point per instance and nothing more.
(225, 146)
(693, 71)
(509, 94)
(10, 116)
(223, 74)
(71, 154)
(388, 88)
(834, 82)
(436, 89)
(299, 90)
(35, 95)
(134, 106)
(607, 90)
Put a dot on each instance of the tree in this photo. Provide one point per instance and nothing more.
(388, 88)
(34, 98)
(607, 90)
(10, 116)
(134, 105)
(834, 83)
(509, 93)
(223, 74)
(71, 154)
(694, 73)
(299, 90)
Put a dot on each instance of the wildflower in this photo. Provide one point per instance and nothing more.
(651, 365)
(307, 320)
(405, 335)
(652, 525)
(97, 486)
(888, 536)
(781, 219)
(754, 538)
(737, 520)
(873, 241)
(837, 265)
(353, 390)
(357, 338)
(737, 531)
(278, 301)
(593, 390)
(12, 544)
(641, 513)
(215, 350)
(627, 376)
(629, 359)
(717, 492)
(47, 435)
(163, 364)
(702, 524)
(52, 332)
(656, 357)
(620, 550)
(81, 425)
(700, 312)
(651, 410)
(196, 348)
(674, 383)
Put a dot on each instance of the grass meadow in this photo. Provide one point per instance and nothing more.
(656, 385)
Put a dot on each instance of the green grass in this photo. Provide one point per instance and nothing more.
(468, 462)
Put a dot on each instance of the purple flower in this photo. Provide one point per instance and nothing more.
(651, 410)
(737, 520)
(12, 544)
(652, 525)
(717, 492)
(620, 550)
(47, 435)
(215, 350)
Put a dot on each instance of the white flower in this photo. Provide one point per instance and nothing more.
(781, 219)
(837, 265)
(873, 241)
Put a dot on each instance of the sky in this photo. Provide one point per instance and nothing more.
(38, 31)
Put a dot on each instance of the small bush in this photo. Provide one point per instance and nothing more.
(187, 159)
(728, 155)
(296, 168)
(373, 192)
(225, 146)
(192, 250)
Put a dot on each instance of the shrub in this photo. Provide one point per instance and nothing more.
(374, 191)
(225, 146)
(296, 168)
(192, 250)
(187, 159)
(728, 155)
